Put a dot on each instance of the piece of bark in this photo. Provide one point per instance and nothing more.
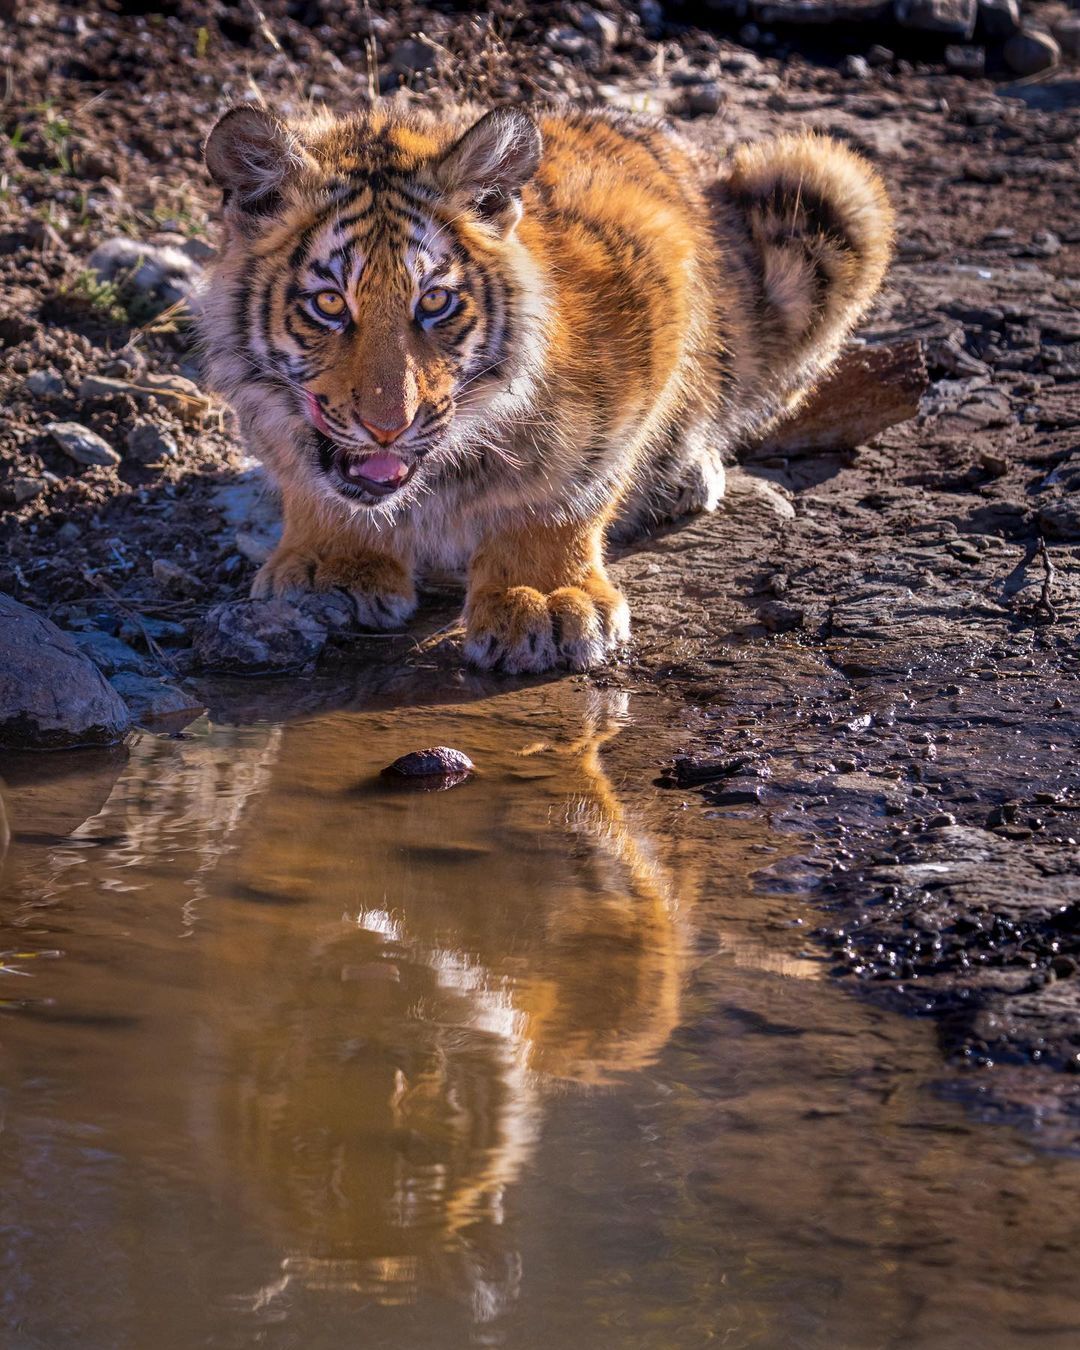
(868, 390)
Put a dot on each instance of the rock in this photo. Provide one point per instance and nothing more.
(438, 767)
(702, 100)
(164, 632)
(161, 275)
(51, 695)
(596, 24)
(736, 795)
(151, 700)
(652, 18)
(413, 56)
(1067, 33)
(258, 637)
(569, 42)
(1029, 51)
(148, 444)
(999, 18)
(44, 384)
(24, 489)
(880, 56)
(109, 654)
(964, 60)
(1061, 520)
(855, 67)
(174, 579)
(176, 392)
(333, 609)
(955, 17)
(83, 445)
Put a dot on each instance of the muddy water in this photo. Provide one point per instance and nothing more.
(294, 1059)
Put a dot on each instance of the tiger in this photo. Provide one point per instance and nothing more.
(492, 343)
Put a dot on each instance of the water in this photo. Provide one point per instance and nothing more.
(294, 1059)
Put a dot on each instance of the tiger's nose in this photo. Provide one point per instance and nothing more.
(385, 435)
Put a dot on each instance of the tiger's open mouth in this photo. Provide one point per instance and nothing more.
(356, 473)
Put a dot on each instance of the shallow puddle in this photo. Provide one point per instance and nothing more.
(294, 1058)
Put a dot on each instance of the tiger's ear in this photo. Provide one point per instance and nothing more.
(250, 155)
(491, 163)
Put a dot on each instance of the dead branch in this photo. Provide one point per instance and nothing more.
(868, 390)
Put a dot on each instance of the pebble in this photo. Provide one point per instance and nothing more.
(1029, 52)
(413, 56)
(596, 24)
(82, 445)
(962, 60)
(175, 579)
(855, 67)
(25, 489)
(439, 762)
(109, 654)
(148, 444)
(44, 384)
(165, 632)
(700, 100)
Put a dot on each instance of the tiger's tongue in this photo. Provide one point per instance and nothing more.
(381, 468)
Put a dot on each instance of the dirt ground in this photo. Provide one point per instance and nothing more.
(882, 644)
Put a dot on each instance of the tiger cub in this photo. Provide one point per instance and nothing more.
(489, 346)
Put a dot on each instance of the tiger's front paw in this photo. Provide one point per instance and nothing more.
(522, 630)
(381, 590)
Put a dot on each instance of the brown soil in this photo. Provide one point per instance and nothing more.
(886, 666)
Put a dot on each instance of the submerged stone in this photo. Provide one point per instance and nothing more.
(437, 767)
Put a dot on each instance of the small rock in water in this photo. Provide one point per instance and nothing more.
(435, 768)
(151, 700)
(82, 445)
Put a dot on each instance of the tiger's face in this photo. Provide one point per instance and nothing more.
(378, 284)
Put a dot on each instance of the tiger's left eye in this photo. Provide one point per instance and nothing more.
(435, 302)
(330, 304)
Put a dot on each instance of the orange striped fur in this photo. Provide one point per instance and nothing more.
(492, 344)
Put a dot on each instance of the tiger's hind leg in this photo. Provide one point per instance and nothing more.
(684, 476)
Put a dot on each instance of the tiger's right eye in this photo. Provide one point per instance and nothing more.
(330, 304)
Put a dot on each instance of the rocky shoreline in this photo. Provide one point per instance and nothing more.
(881, 643)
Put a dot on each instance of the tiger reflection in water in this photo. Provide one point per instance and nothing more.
(407, 974)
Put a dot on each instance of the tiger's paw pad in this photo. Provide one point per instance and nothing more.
(380, 589)
(522, 631)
